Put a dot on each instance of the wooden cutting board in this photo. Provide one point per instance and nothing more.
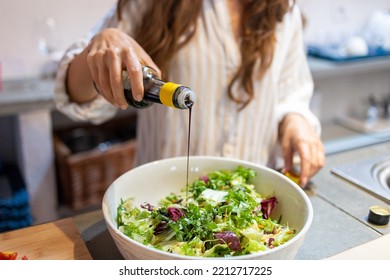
(59, 240)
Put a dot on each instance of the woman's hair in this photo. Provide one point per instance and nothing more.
(165, 22)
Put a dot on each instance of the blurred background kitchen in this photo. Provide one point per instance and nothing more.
(51, 167)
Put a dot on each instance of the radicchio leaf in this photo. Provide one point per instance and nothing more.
(267, 205)
(175, 213)
(230, 238)
(205, 179)
(270, 242)
(147, 206)
(160, 228)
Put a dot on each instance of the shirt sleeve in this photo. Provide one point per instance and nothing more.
(98, 110)
(295, 84)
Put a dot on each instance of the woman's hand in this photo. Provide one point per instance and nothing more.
(108, 53)
(297, 135)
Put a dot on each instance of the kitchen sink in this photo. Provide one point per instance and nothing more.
(381, 172)
(372, 175)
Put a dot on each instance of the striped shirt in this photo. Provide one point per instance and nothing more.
(206, 65)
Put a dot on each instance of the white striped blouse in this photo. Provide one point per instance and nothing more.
(206, 65)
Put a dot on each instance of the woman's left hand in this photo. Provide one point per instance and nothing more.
(296, 135)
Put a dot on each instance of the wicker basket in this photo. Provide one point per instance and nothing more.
(85, 176)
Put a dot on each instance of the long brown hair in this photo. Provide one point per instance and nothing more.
(165, 22)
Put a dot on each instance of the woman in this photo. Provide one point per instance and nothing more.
(244, 59)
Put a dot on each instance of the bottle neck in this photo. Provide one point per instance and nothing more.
(157, 91)
(184, 97)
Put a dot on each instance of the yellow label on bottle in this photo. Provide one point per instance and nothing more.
(166, 93)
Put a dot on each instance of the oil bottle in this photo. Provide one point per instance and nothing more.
(158, 91)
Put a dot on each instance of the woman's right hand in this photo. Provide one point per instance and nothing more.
(108, 53)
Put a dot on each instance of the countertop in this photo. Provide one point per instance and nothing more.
(339, 224)
(338, 137)
(58, 240)
(21, 95)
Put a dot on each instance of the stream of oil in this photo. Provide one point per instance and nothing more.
(188, 149)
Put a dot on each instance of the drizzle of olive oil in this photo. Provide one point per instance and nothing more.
(188, 149)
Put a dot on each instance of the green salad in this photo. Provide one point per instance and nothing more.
(218, 215)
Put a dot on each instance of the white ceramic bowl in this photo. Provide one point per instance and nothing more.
(155, 180)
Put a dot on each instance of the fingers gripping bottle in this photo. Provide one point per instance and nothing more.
(158, 91)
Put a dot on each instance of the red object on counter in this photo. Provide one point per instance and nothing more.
(10, 256)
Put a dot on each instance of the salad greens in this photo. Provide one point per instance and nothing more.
(222, 216)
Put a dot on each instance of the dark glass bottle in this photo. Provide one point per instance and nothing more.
(158, 91)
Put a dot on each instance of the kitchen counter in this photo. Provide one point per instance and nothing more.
(341, 208)
(339, 138)
(20, 96)
(339, 224)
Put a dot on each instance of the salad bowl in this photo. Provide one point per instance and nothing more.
(149, 183)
